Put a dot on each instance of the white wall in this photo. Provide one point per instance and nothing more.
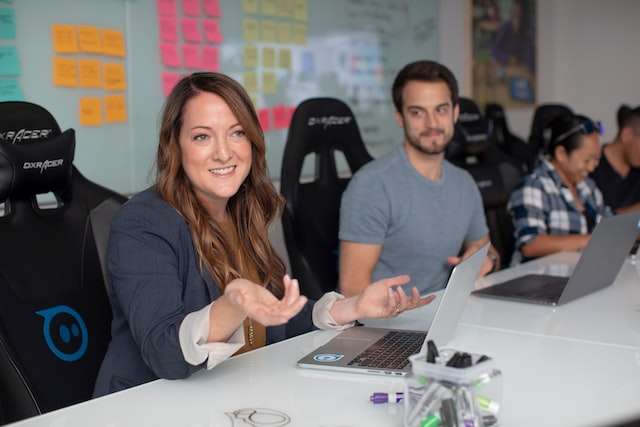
(588, 56)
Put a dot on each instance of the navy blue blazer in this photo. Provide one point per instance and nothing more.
(155, 282)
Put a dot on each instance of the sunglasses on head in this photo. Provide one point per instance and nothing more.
(586, 127)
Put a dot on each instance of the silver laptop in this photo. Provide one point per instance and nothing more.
(385, 351)
(597, 267)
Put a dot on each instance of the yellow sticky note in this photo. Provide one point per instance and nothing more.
(269, 82)
(64, 38)
(250, 29)
(300, 9)
(90, 111)
(115, 77)
(268, 31)
(251, 81)
(250, 56)
(268, 57)
(89, 73)
(284, 8)
(299, 33)
(113, 43)
(284, 58)
(268, 7)
(89, 39)
(64, 72)
(250, 6)
(115, 107)
(284, 32)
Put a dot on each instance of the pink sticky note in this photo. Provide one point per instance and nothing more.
(191, 7)
(280, 117)
(166, 7)
(210, 58)
(190, 30)
(168, 30)
(169, 80)
(170, 57)
(212, 8)
(191, 56)
(263, 117)
(212, 30)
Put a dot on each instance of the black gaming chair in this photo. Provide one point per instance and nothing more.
(319, 126)
(514, 146)
(495, 173)
(542, 116)
(54, 311)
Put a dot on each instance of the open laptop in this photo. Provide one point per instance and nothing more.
(385, 351)
(597, 267)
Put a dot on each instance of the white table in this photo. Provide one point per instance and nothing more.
(560, 376)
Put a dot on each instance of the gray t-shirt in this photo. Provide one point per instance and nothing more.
(418, 222)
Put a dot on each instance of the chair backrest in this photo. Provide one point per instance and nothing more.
(542, 116)
(319, 126)
(523, 153)
(54, 311)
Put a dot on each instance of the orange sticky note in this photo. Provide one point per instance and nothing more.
(190, 30)
(89, 73)
(212, 30)
(212, 8)
(168, 29)
(113, 43)
(115, 108)
(89, 39)
(115, 77)
(64, 72)
(90, 111)
(210, 58)
(169, 80)
(191, 56)
(64, 38)
(169, 54)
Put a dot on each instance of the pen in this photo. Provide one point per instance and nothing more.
(432, 352)
(386, 397)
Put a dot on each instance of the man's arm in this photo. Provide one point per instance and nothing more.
(357, 261)
(491, 262)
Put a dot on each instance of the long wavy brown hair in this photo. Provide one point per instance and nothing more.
(251, 209)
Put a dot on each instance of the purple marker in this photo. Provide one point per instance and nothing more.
(386, 397)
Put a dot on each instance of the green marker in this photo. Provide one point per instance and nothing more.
(430, 421)
(488, 405)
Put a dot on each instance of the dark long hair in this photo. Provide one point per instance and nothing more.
(251, 209)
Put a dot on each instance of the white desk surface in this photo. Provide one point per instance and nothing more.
(550, 377)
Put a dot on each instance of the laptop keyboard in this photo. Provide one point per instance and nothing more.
(391, 351)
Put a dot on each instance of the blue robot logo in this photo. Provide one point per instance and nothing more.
(64, 332)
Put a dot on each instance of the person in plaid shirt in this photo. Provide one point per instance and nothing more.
(556, 207)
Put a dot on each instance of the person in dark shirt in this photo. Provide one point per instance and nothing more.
(618, 174)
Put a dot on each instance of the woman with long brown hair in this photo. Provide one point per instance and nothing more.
(194, 278)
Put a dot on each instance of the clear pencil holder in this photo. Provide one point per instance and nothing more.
(438, 395)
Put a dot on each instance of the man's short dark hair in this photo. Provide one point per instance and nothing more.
(425, 71)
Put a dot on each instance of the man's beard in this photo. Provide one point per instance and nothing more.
(429, 150)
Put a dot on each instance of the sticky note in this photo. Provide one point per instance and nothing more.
(64, 38)
(169, 55)
(250, 29)
(169, 80)
(166, 7)
(250, 6)
(64, 72)
(191, 56)
(284, 8)
(89, 39)
(268, 57)
(10, 90)
(90, 111)
(9, 64)
(212, 8)
(115, 108)
(250, 56)
(211, 58)
(89, 73)
(113, 43)
(268, 31)
(263, 117)
(284, 58)
(115, 77)
(299, 33)
(283, 32)
(282, 116)
(7, 23)
(268, 7)
(191, 7)
(269, 83)
(251, 81)
(212, 32)
(190, 30)
(300, 9)
(168, 29)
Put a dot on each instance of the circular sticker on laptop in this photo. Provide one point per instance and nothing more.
(328, 357)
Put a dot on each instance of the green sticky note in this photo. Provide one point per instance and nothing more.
(7, 23)
(10, 90)
(6, 1)
(9, 65)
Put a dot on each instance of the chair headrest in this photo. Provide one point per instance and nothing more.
(542, 116)
(472, 129)
(35, 157)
